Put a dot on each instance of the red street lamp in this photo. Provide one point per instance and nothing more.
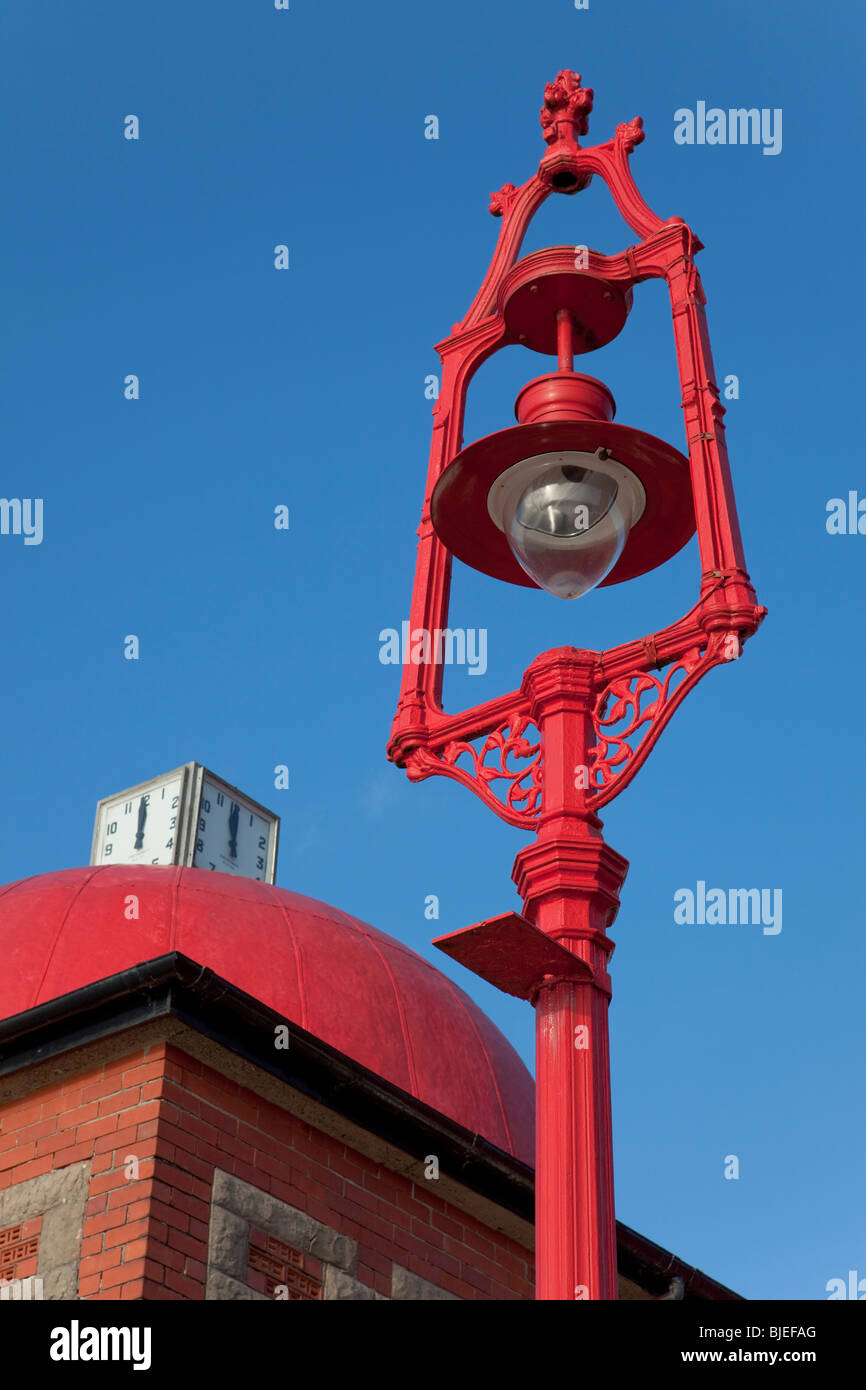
(564, 501)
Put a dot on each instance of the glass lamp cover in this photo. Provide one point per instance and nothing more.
(568, 525)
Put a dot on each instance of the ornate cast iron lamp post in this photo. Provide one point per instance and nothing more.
(566, 500)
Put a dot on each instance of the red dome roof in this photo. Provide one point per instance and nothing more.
(360, 991)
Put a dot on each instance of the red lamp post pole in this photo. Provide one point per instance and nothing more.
(598, 714)
(569, 880)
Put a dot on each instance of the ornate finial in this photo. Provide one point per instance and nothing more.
(566, 103)
(631, 133)
(501, 200)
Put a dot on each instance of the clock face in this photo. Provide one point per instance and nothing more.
(140, 827)
(231, 835)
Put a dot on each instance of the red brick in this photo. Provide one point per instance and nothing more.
(171, 1259)
(52, 1143)
(374, 1259)
(57, 1102)
(183, 1181)
(89, 1286)
(275, 1168)
(136, 1250)
(130, 1230)
(94, 1264)
(478, 1280)
(20, 1117)
(112, 1183)
(219, 1095)
(120, 1142)
(104, 1221)
(135, 1290)
(446, 1225)
(347, 1169)
(190, 1288)
(145, 1071)
(122, 1274)
(90, 1245)
(97, 1089)
(193, 1206)
(247, 1173)
(196, 1249)
(439, 1260)
(314, 1146)
(194, 1170)
(71, 1119)
(76, 1153)
(424, 1193)
(38, 1131)
(121, 1100)
(95, 1205)
(16, 1156)
(378, 1183)
(412, 1207)
(34, 1169)
(178, 1220)
(285, 1192)
(427, 1234)
(404, 1241)
(89, 1133)
(227, 1124)
(476, 1241)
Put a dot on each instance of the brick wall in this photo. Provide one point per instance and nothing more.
(155, 1124)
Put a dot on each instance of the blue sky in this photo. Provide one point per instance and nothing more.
(306, 388)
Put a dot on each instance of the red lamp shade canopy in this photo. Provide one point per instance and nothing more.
(566, 435)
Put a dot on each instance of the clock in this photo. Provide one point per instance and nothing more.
(190, 817)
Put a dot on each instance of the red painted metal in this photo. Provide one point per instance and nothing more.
(464, 525)
(359, 990)
(582, 723)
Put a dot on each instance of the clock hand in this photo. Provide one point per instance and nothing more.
(142, 817)
(234, 817)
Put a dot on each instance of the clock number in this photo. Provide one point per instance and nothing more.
(127, 808)
(112, 828)
(263, 842)
(252, 818)
(108, 849)
(260, 863)
(213, 866)
(199, 846)
(154, 861)
(172, 823)
(205, 806)
(174, 801)
(220, 799)
(202, 824)
(169, 844)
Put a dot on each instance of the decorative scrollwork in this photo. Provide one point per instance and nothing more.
(521, 802)
(631, 703)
